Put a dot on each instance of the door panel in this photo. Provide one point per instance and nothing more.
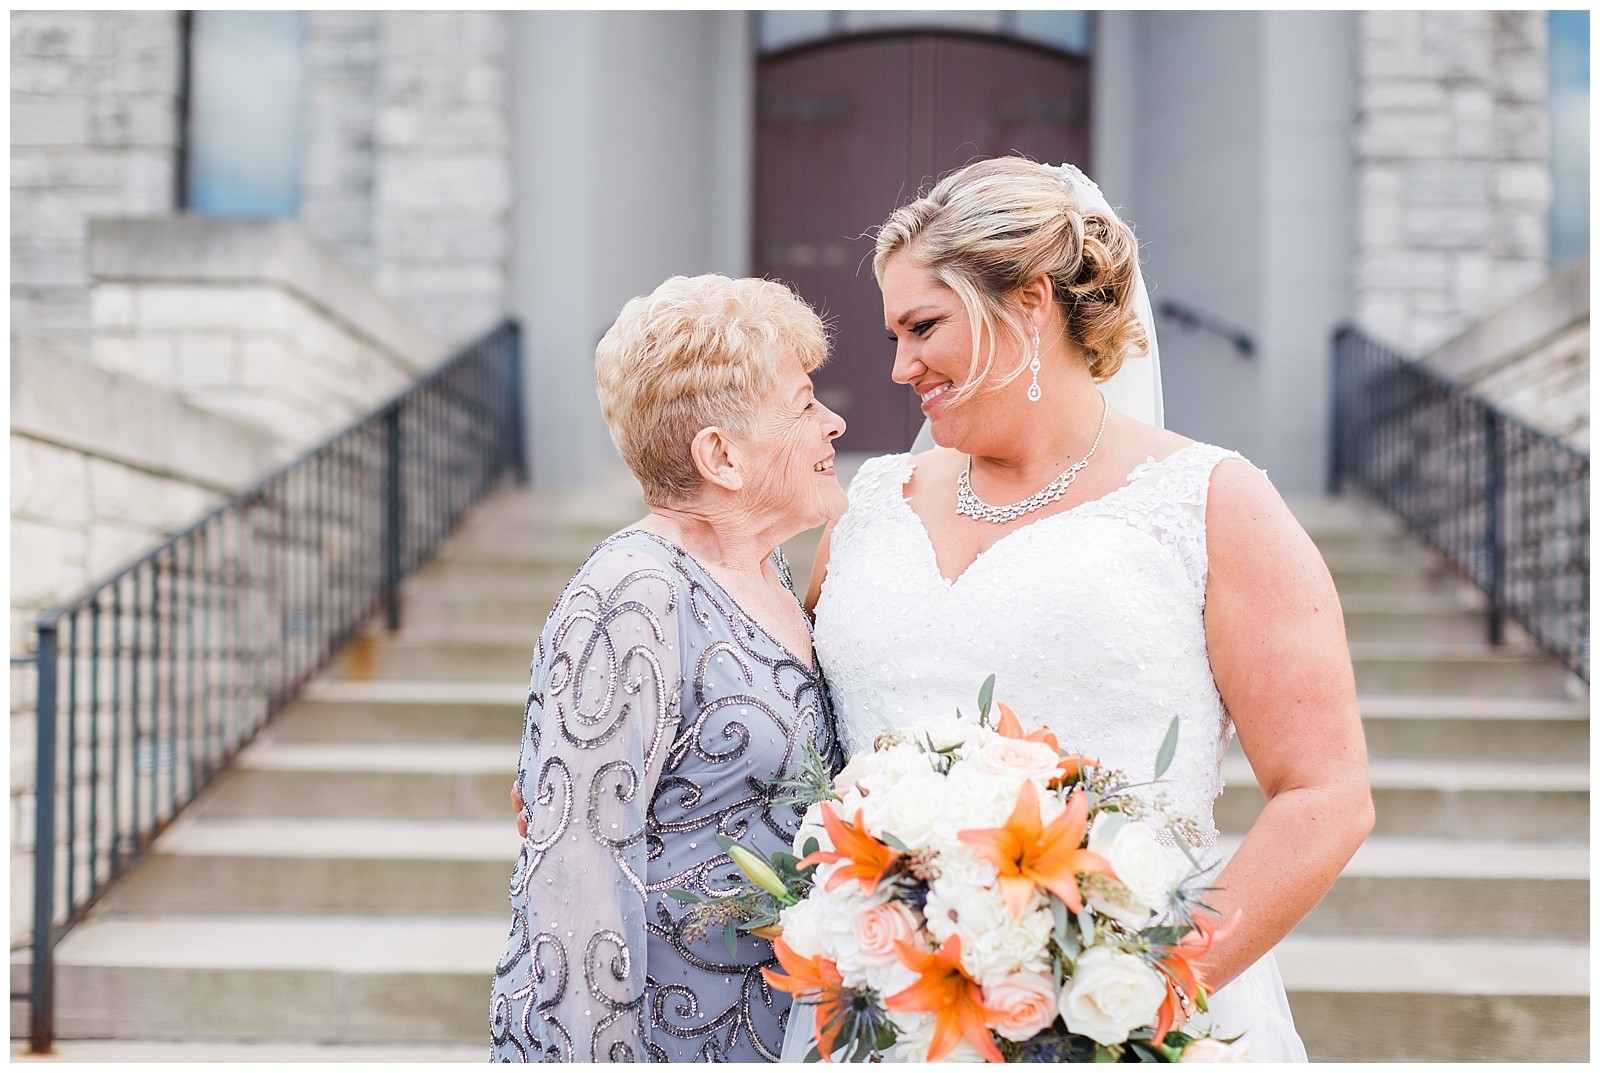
(850, 130)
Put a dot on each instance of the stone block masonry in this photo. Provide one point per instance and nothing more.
(94, 131)
(1452, 156)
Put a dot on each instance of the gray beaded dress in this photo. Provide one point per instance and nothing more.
(659, 715)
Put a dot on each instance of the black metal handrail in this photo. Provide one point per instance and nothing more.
(153, 679)
(1506, 504)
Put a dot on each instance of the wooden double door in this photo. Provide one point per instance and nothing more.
(853, 128)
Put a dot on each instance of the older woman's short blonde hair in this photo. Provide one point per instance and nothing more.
(695, 352)
(993, 226)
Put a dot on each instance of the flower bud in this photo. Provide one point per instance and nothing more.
(760, 873)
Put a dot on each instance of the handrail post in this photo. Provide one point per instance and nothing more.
(393, 516)
(519, 405)
(1494, 496)
(1340, 412)
(41, 1030)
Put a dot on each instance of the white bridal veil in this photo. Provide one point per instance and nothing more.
(1136, 388)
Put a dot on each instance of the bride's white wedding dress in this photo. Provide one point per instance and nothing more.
(1092, 621)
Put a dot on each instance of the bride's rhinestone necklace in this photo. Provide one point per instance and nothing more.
(968, 503)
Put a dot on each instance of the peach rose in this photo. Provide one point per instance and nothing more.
(1020, 1005)
(1019, 759)
(1216, 1050)
(860, 766)
(879, 928)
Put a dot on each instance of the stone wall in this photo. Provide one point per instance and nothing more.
(1452, 146)
(93, 132)
(407, 166)
(102, 467)
(249, 319)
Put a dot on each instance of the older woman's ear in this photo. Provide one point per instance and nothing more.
(717, 458)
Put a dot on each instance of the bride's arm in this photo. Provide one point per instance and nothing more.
(819, 570)
(1275, 636)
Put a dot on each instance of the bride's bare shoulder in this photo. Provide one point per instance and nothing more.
(938, 465)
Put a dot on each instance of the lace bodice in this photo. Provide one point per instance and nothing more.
(1091, 619)
(659, 715)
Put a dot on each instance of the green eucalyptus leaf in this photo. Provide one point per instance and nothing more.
(1169, 746)
(1108, 823)
(985, 697)
(1183, 844)
(688, 897)
(1058, 911)
(813, 1055)
(1086, 926)
(811, 846)
(726, 843)
(730, 935)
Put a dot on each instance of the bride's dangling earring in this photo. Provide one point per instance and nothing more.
(1033, 389)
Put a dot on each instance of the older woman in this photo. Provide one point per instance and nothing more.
(1113, 575)
(673, 685)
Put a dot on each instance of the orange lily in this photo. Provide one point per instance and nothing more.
(1011, 727)
(945, 990)
(816, 981)
(870, 860)
(1028, 854)
(1186, 981)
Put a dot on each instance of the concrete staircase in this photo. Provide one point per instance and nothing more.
(1460, 931)
(340, 892)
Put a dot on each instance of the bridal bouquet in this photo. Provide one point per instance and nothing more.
(966, 891)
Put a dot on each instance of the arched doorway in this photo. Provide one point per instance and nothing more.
(851, 128)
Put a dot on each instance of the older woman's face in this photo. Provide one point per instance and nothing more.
(790, 453)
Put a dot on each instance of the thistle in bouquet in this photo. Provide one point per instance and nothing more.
(977, 891)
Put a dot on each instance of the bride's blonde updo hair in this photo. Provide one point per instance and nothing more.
(991, 227)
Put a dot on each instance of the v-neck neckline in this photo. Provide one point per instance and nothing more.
(1136, 474)
(811, 667)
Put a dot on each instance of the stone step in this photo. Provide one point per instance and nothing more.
(400, 710)
(472, 574)
(444, 658)
(1407, 580)
(1458, 667)
(168, 1052)
(376, 780)
(450, 611)
(1448, 888)
(1458, 625)
(1446, 727)
(1382, 999)
(1466, 799)
(290, 865)
(389, 980)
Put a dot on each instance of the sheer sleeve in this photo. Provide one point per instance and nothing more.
(602, 707)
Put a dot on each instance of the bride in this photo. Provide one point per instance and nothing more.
(1110, 573)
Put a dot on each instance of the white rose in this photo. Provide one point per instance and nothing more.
(1110, 995)
(946, 732)
(913, 811)
(811, 827)
(1136, 857)
(1215, 1050)
(1111, 899)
